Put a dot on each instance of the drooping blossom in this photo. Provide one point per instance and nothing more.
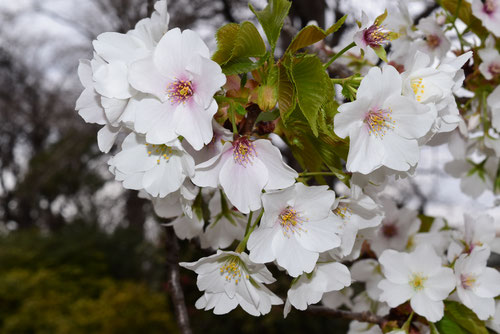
(357, 212)
(229, 279)
(243, 169)
(158, 169)
(296, 226)
(182, 81)
(226, 224)
(418, 276)
(383, 126)
(309, 288)
(490, 59)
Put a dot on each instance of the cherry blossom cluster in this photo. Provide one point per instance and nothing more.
(202, 137)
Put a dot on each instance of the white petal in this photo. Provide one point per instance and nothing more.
(243, 184)
(280, 174)
(432, 310)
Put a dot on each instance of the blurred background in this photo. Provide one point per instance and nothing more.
(78, 253)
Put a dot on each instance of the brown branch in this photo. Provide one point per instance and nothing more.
(359, 316)
(246, 126)
(175, 288)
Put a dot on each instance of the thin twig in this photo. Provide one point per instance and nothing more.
(359, 316)
(175, 288)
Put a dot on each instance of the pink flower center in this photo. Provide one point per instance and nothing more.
(494, 69)
(379, 121)
(433, 41)
(243, 151)
(375, 36)
(180, 91)
(291, 221)
(389, 230)
(489, 6)
(467, 281)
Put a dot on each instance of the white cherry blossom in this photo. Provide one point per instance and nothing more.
(490, 59)
(182, 80)
(419, 277)
(296, 226)
(434, 41)
(243, 169)
(383, 126)
(488, 11)
(230, 279)
(477, 285)
(158, 169)
(226, 224)
(309, 288)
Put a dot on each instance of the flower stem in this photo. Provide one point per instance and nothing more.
(338, 54)
(249, 222)
(243, 243)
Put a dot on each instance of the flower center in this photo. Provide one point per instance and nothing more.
(379, 121)
(418, 88)
(231, 270)
(243, 151)
(494, 69)
(291, 221)
(343, 211)
(389, 230)
(489, 6)
(179, 91)
(417, 281)
(375, 36)
(433, 41)
(159, 150)
(467, 281)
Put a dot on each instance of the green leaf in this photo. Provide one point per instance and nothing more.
(309, 78)
(238, 42)
(312, 34)
(465, 14)
(427, 222)
(226, 37)
(380, 51)
(465, 317)
(240, 110)
(268, 116)
(286, 94)
(271, 18)
(248, 42)
(240, 65)
(448, 326)
(336, 26)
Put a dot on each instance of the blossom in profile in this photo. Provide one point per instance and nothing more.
(226, 223)
(477, 285)
(309, 288)
(383, 126)
(296, 226)
(488, 11)
(158, 169)
(490, 64)
(229, 279)
(419, 277)
(243, 169)
(374, 35)
(182, 81)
